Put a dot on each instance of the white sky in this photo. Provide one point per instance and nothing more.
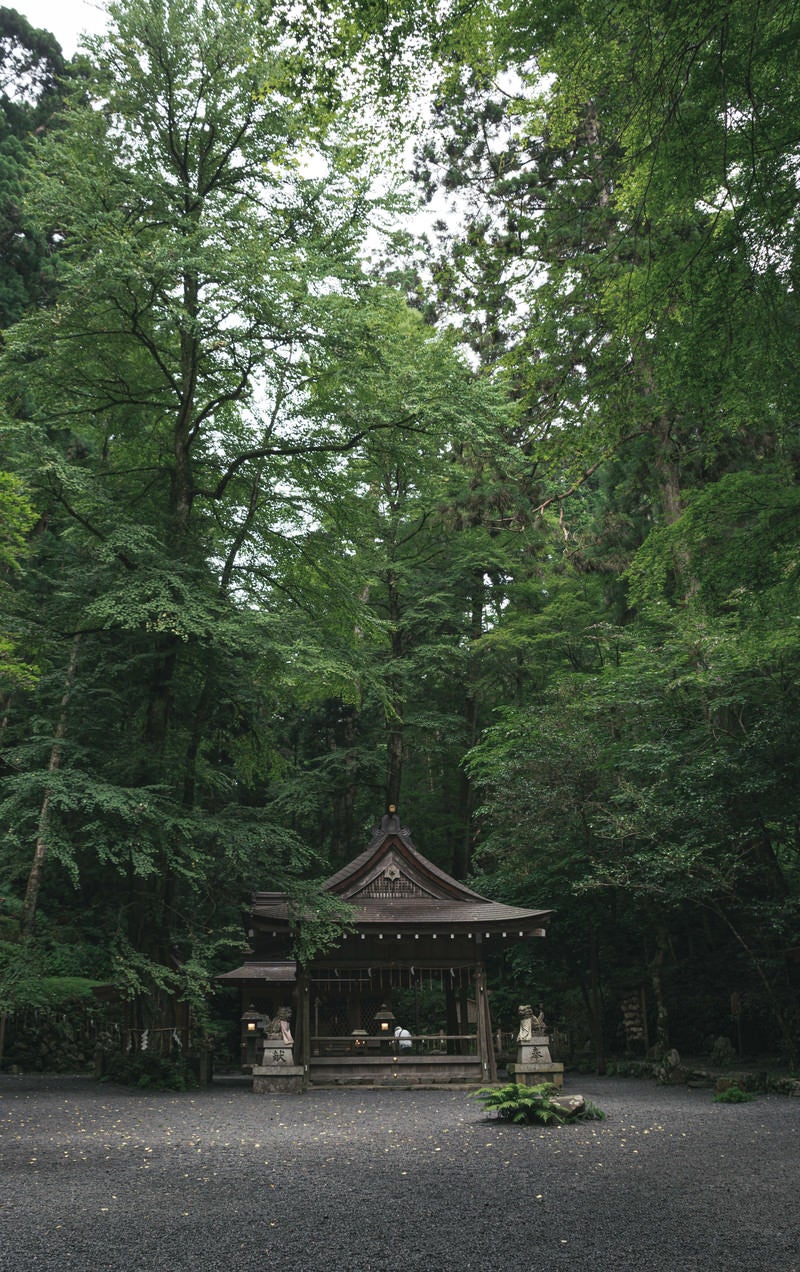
(66, 19)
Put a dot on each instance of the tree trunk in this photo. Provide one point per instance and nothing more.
(668, 470)
(597, 1015)
(395, 706)
(463, 854)
(40, 852)
(662, 1014)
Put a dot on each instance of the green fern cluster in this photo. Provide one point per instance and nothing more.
(732, 1095)
(515, 1102)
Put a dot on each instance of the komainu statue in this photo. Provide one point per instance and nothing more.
(278, 1027)
(529, 1023)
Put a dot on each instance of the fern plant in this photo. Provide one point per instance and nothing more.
(732, 1095)
(515, 1102)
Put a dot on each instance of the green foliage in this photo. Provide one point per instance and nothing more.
(32, 75)
(307, 555)
(319, 921)
(516, 1102)
(52, 1019)
(55, 991)
(733, 1095)
(150, 1072)
(26, 982)
(16, 519)
(17, 516)
(180, 422)
(736, 539)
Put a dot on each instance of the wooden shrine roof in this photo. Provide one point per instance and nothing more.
(393, 886)
(280, 971)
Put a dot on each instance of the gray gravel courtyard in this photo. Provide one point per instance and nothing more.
(101, 1177)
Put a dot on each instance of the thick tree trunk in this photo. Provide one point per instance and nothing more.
(159, 704)
(668, 470)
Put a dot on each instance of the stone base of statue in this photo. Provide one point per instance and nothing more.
(534, 1050)
(533, 1074)
(277, 1072)
(534, 1063)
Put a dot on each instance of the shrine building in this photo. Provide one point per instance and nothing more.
(412, 956)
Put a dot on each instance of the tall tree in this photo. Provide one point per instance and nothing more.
(163, 413)
(624, 177)
(32, 70)
(386, 540)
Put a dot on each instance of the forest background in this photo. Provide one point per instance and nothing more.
(401, 407)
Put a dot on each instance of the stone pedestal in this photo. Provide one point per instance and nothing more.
(534, 1050)
(276, 1051)
(277, 1079)
(532, 1075)
(277, 1071)
(534, 1063)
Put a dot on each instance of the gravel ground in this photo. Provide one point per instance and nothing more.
(98, 1177)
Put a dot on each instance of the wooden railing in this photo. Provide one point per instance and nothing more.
(375, 1045)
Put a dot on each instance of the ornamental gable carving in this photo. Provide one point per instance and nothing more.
(389, 885)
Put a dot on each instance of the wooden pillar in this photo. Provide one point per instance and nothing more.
(304, 1006)
(485, 1041)
(463, 1013)
(453, 1047)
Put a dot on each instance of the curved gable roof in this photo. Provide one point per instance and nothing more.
(389, 851)
(392, 885)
